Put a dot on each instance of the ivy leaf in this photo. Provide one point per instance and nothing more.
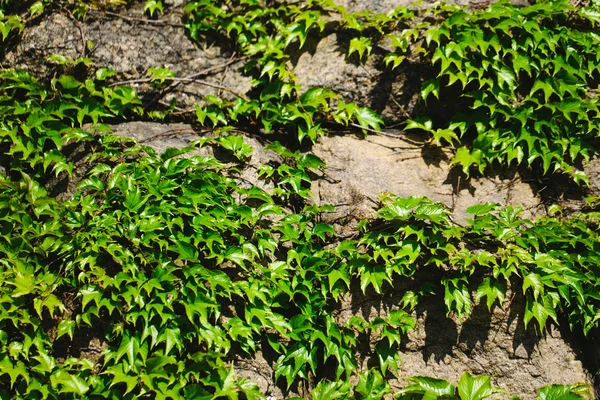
(186, 251)
(65, 327)
(68, 82)
(591, 13)
(152, 5)
(46, 363)
(360, 45)
(24, 283)
(50, 302)
(394, 59)
(431, 388)
(237, 255)
(326, 390)
(388, 357)
(120, 376)
(481, 209)
(475, 388)
(539, 310)
(422, 123)
(371, 385)
(564, 392)
(534, 281)
(130, 346)
(172, 338)
(368, 118)
(317, 98)
(493, 290)
(467, 158)
(159, 74)
(104, 73)
(69, 383)
(14, 371)
(430, 86)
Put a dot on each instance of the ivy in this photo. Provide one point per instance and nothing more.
(524, 78)
(161, 271)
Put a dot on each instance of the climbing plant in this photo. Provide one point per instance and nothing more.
(160, 273)
(525, 80)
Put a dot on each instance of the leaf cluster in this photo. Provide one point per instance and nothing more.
(524, 80)
(162, 271)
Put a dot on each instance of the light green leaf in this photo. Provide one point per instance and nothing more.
(65, 327)
(69, 383)
(475, 388)
(360, 45)
(368, 118)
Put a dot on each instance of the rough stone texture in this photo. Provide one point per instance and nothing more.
(495, 344)
(593, 171)
(323, 63)
(131, 45)
(367, 167)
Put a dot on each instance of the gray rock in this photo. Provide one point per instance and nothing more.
(367, 167)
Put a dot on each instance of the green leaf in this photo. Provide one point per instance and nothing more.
(120, 376)
(360, 45)
(172, 338)
(481, 209)
(368, 118)
(46, 363)
(539, 310)
(535, 282)
(564, 392)
(69, 383)
(159, 74)
(475, 388)
(432, 388)
(394, 59)
(66, 327)
(326, 390)
(186, 251)
(130, 346)
(371, 385)
(422, 123)
(467, 158)
(104, 73)
(24, 283)
(237, 255)
(506, 77)
(36, 8)
(493, 290)
(591, 13)
(68, 82)
(14, 370)
(152, 6)
(317, 98)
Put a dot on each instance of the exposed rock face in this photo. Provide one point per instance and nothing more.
(131, 44)
(367, 167)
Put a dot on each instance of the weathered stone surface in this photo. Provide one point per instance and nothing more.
(489, 343)
(367, 167)
(131, 44)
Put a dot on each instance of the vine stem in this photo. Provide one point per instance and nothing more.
(184, 79)
(144, 20)
(397, 136)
